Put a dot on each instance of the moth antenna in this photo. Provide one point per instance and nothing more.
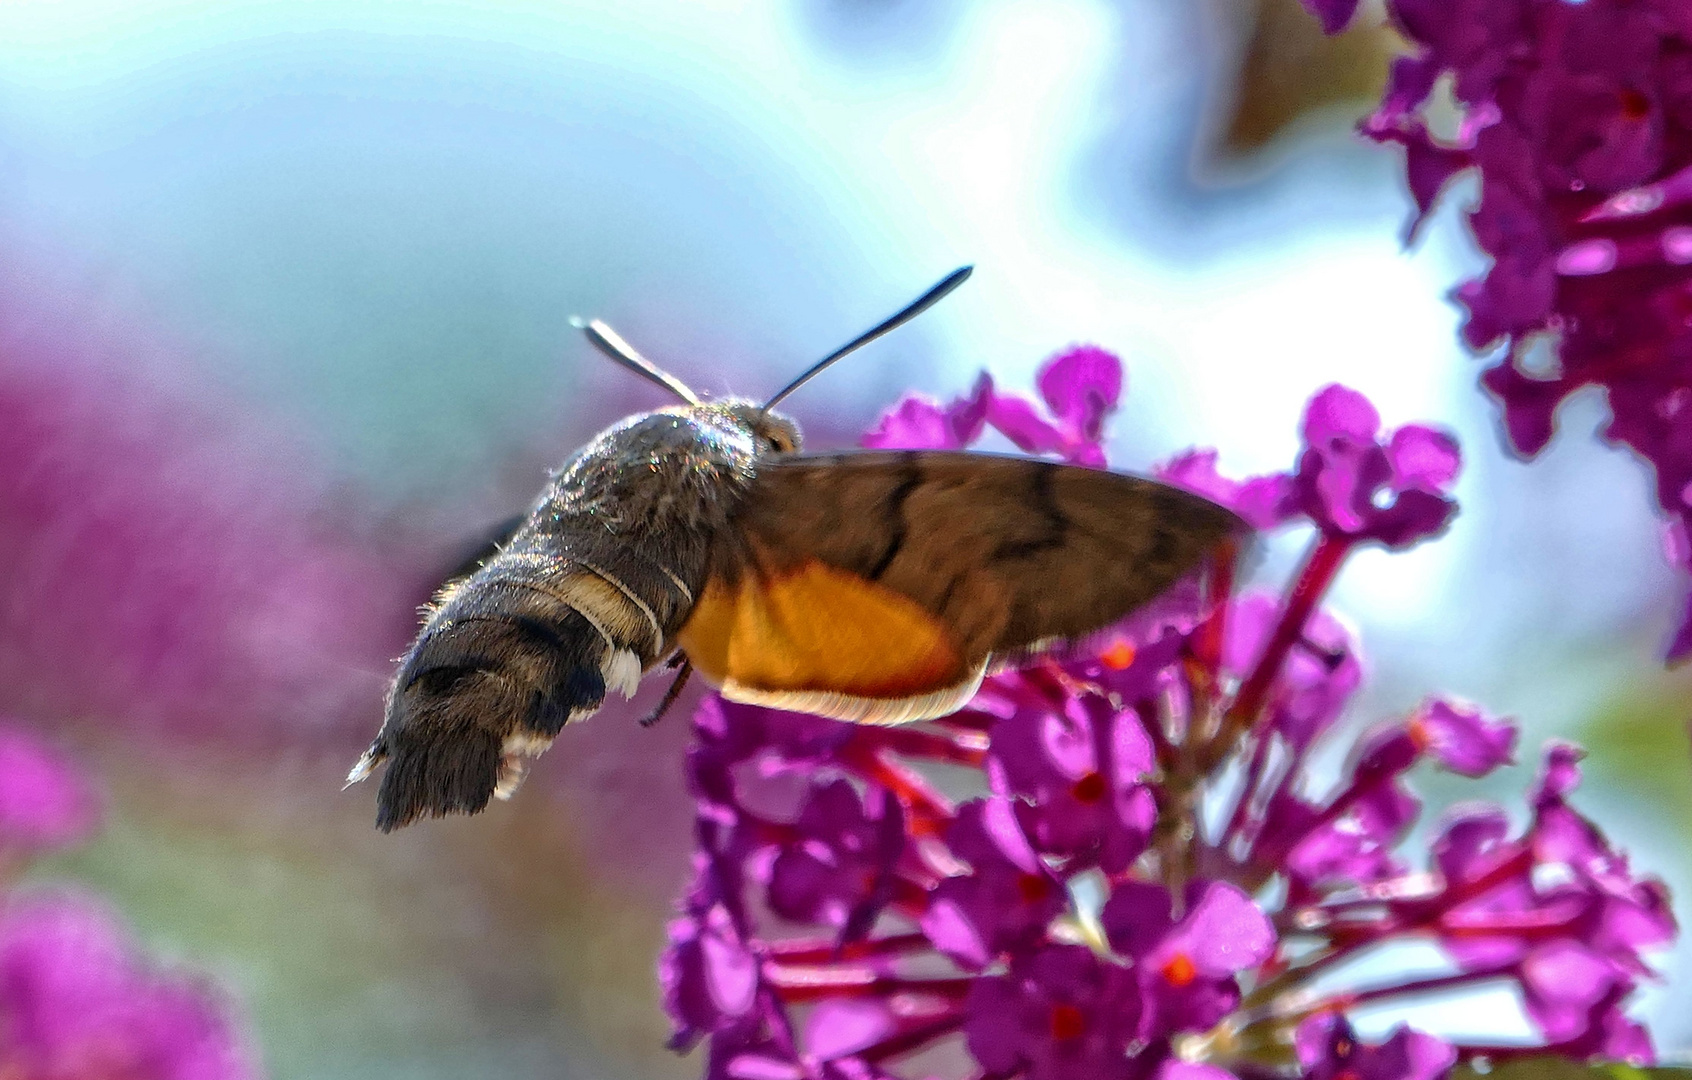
(904, 315)
(609, 342)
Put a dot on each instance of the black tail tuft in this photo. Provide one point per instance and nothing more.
(437, 771)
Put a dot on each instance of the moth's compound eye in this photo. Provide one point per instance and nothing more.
(773, 432)
(779, 439)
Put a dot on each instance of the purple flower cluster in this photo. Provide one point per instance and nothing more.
(44, 804)
(1578, 119)
(162, 563)
(78, 1001)
(1142, 880)
(1079, 388)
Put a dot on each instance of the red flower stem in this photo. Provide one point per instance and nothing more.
(932, 745)
(815, 951)
(910, 898)
(971, 720)
(1463, 891)
(1207, 641)
(1317, 573)
(1422, 914)
(930, 811)
(769, 832)
(1051, 681)
(796, 985)
(1524, 928)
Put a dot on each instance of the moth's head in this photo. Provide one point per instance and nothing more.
(772, 430)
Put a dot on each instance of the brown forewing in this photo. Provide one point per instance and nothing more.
(1008, 552)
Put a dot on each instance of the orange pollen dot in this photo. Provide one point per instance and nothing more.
(1032, 888)
(1089, 789)
(1634, 105)
(1348, 1074)
(1068, 1022)
(1179, 970)
(1419, 733)
(1118, 655)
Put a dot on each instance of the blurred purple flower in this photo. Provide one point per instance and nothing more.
(1263, 501)
(1335, 14)
(1148, 888)
(1079, 388)
(77, 1001)
(1584, 157)
(44, 801)
(1463, 738)
(920, 422)
(1329, 1050)
(162, 562)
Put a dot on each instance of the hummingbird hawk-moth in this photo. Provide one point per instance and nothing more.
(876, 587)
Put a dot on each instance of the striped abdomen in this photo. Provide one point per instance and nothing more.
(530, 642)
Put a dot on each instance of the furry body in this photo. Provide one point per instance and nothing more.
(587, 596)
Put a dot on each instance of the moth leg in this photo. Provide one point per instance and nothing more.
(671, 694)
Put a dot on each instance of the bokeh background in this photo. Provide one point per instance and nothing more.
(284, 290)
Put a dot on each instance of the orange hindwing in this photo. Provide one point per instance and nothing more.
(819, 639)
